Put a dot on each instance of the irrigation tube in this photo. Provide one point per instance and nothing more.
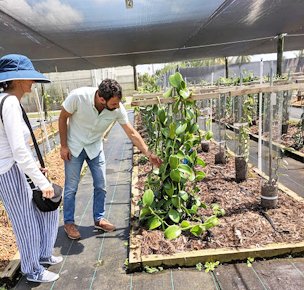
(260, 120)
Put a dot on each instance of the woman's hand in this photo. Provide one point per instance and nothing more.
(48, 192)
(44, 170)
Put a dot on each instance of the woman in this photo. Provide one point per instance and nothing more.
(35, 231)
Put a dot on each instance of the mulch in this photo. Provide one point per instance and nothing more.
(245, 224)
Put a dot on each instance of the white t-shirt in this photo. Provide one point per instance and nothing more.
(14, 143)
(86, 126)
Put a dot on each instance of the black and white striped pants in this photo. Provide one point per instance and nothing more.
(35, 231)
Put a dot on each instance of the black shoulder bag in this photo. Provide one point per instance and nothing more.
(44, 204)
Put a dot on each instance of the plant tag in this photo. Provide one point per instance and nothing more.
(273, 99)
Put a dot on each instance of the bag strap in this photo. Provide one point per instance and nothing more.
(27, 122)
(1, 106)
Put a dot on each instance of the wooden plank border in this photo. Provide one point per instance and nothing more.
(136, 261)
(12, 267)
(231, 91)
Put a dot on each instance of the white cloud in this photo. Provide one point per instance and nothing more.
(43, 15)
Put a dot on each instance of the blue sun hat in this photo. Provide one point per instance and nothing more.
(19, 67)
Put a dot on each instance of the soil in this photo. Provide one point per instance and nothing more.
(54, 163)
(245, 223)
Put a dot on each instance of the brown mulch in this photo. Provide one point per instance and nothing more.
(244, 225)
(8, 246)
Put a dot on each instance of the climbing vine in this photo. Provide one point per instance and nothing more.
(170, 200)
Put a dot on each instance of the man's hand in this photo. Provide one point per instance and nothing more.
(65, 153)
(155, 160)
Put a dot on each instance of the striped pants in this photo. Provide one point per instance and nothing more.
(35, 231)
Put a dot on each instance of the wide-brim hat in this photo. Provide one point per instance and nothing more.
(19, 67)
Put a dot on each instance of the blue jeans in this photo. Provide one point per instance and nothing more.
(72, 170)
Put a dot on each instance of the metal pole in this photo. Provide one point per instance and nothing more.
(42, 121)
(260, 120)
(270, 126)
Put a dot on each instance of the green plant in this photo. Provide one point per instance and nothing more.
(250, 261)
(210, 266)
(147, 84)
(217, 210)
(168, 201)
(298, 137)
(152, 270)
(199, 266)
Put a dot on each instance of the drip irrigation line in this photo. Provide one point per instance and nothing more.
(216, 281)
(109, 211)
(260, 279)
(301, 273)
(73, 241)
(172, 280)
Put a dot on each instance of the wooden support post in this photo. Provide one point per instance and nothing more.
(280, 49)
(226, 67)
(135, 77)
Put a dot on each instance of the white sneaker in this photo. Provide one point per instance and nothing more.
(44, 277)
(53, 260)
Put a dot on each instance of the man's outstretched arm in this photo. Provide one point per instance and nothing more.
(138, 141)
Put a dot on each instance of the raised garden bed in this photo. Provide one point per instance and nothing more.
(246, 230)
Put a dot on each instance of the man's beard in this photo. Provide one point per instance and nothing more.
(108, 108)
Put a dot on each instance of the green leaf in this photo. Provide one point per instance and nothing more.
(173, 161)
(162, 115)
(211, 222)
(148, 197)
(172, 128)
(174, 215)
(197, 230)
(194, 128)
(175, 175)
(172, 232)
(185, 93)
(176, 201)
(184, 195)
(154, 223)
(193, 209)
(199, 175)
(143, 212)
(168, 93)
(208, 135)
(169, 188)
(175, 80)
(200, 161)
(185, 224)
(181, 129)
(187, 171)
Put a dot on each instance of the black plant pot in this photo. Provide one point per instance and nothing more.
(241, 168)
(284, 128)
(205, 145)
(269, 196)
(220, 157)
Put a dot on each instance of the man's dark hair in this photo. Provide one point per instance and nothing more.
(109, 88)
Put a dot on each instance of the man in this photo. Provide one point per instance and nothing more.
(85, 116)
